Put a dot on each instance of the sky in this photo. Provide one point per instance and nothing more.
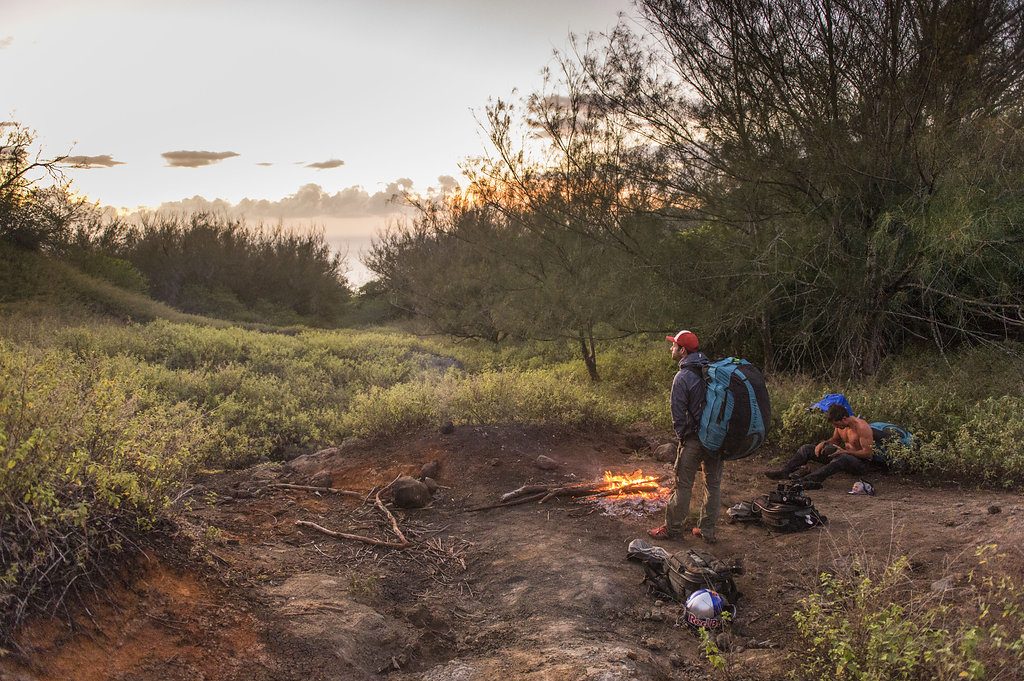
(311, 111)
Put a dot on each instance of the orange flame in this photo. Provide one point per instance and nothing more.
(635, 483)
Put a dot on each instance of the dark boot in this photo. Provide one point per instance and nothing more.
(802, 456)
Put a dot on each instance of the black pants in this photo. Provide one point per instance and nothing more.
(845, 463)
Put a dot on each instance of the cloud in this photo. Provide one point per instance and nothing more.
(324, 165)
(195, 159)
(104, 161)
(6, 41)
(310, 201)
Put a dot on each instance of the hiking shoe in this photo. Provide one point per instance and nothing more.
(776, 475)
(707, 538)
(661, 532)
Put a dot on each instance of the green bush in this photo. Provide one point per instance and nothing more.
(117, 271)
(513, 396)
(873, 624)
(89, 455)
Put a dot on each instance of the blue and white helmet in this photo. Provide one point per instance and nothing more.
(704, 609)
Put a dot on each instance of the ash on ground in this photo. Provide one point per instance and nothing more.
(630, 505)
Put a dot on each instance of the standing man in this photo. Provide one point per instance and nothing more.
(688, 395)
(849, 450)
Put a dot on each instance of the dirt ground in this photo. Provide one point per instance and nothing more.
(527, 592)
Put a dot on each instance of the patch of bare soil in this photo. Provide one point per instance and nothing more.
(525, 592)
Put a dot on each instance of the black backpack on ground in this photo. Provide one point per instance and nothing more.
(692, 570)
(676, 576)
(784, 509)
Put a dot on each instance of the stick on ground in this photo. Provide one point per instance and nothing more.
(311, 488)
(402, 543)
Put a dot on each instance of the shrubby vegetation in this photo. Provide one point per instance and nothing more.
(210, 264)
(868, 623)
(90, 455)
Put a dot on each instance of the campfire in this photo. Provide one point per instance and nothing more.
(635, 483)
(634, 494)
(616, 494)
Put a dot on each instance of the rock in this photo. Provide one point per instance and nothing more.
(430, 469)
(453, 670)
(941, 585)
(431, 484)
(265, 471)
(636, 442)
(322, 479)
(447, 428)
(666, 453)
(311, 464)
(320, 608)
(494, 462)
(350, 443)
(545, 463)
(652, 643)
(993, 509)
(410, 493)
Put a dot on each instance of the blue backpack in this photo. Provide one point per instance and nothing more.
(737, 410)
(884, 435)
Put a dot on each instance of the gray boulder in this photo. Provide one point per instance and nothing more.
(410, 493)
(430, 469)
(311, 464)
(546, 463)
(666, 453)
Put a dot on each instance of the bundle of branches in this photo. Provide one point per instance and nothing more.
(598, 488)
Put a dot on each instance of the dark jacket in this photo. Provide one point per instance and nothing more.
(688, 394)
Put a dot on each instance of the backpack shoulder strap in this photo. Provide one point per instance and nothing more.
(701, 371)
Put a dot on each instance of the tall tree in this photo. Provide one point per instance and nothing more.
(825, 145)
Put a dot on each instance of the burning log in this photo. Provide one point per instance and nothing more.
(610, 485)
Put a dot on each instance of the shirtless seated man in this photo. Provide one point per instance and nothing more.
(850, 449)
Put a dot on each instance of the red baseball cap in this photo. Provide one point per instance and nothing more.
(687, 340)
